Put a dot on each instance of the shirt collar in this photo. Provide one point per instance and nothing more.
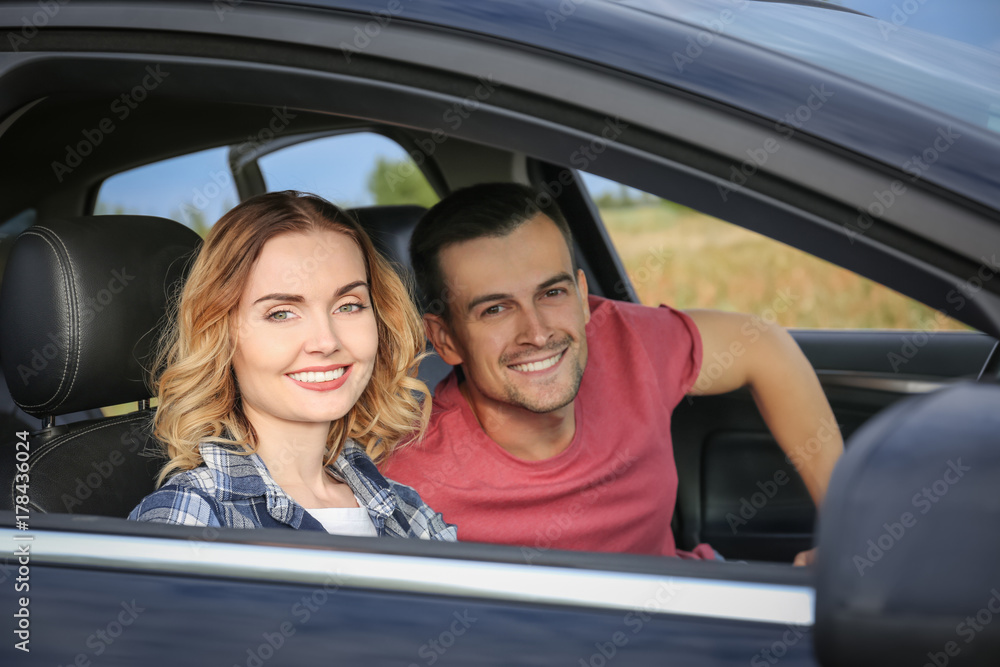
(240, 475)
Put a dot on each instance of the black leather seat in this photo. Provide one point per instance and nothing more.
(81, 306)
(390, 228)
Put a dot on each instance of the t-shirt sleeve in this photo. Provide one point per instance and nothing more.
(673, 344)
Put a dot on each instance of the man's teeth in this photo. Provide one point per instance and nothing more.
(311, 376)
(538, 365)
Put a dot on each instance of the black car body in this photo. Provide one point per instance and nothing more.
(800, 122)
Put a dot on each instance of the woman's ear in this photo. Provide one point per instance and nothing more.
(441, 337)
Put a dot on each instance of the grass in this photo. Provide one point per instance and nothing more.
(685, 259)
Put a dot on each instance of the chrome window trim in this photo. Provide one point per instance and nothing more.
(879, 382)
(510, 582)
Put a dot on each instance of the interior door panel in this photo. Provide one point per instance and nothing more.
(740, 493)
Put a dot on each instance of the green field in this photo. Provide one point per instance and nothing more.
(688, 260)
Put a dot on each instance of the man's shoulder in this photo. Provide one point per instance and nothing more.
(446, 424)
(610, 314)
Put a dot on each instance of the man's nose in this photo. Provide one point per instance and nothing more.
(535, 330)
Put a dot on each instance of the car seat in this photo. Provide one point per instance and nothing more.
(81, 308)
(390, 228)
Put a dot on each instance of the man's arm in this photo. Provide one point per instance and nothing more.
(743, 351)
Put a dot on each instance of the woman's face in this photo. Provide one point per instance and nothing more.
(307, 337)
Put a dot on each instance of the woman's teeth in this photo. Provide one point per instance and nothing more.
(312, 376)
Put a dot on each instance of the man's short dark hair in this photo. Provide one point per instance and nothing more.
(485, 210)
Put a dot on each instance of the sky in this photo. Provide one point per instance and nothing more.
(975, 22)
(336, 168)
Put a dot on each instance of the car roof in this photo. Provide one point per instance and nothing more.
(763, 58)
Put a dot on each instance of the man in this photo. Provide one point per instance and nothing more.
(554, 432)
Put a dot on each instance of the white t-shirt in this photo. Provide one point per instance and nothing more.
(345, 520)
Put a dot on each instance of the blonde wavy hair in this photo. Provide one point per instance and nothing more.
(193, 377)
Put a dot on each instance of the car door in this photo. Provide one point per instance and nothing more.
(236, 58)
(738, 490)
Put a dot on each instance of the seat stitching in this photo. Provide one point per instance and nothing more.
(108, 421)
(74, 318)
(69, 308)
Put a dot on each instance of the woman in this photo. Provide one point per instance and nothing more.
(289, 368)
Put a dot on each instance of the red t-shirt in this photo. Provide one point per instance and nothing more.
(613, 488)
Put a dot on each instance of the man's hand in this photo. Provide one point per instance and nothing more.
(804, 558)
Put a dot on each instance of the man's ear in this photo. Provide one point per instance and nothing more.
(581, 286)
(440, 336)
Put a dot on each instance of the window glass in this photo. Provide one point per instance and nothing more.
(678, 256)
(358, 169)
(195, 189)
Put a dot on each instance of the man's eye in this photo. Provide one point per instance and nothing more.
(556, 291)
(493, 310)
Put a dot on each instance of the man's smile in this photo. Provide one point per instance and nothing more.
(539, 365)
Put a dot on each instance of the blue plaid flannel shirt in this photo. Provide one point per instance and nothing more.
(235, 490)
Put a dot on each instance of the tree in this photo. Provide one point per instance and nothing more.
(399, 182)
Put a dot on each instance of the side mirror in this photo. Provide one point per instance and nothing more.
(908, 571)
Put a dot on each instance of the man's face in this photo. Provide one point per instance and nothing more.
(517, 318)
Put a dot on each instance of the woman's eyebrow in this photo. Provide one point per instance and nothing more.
(298, 298)
(351, 286)
(294, 298)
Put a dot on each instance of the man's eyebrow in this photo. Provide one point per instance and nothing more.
(554, 280)
(483, 299)
(298, 298)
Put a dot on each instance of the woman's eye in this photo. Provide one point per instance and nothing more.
(279, 315)
(350, 308)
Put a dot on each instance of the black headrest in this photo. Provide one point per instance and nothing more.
(81, 303)
(390, 228)
(909, 538)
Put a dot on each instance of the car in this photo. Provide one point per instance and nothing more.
(860, 140)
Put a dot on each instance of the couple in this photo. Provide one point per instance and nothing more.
(520, 438)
